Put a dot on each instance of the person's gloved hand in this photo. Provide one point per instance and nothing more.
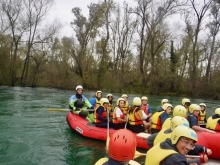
(203, 158)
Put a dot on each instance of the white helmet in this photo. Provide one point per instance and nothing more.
(164, 101)
(137, 101)
(79, 87)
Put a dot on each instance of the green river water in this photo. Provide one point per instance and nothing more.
(30, 135)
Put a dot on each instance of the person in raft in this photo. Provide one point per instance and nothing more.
(163, 101)
(100, 114)
(136, 117)
(178, 110)
(158, 118)
(119, 117)
(110, 105)
(194, 110)
(213, 122)
(78, 103)
(95, 101)
(122, 147)
(186, 103)
(165, 133)
(146, 108)
(126, 106)
(174, 150)
(202, 113)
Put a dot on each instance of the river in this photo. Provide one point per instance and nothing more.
(30, 135)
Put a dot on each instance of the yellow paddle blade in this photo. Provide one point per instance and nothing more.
(101, 161)
(107, 143)
(132, 162)
(58, 110)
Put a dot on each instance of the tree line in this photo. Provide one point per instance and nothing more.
(151, 46)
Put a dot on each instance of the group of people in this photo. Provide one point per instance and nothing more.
(138, 117)
(173, 137)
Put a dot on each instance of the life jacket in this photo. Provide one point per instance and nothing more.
(97, 102)
(160, 154)
(202, 116)
(166, 123)
(145, 108)
(114, 118)
(126, 106)
(133, 120)
(213, 124)
(161, 136)
(104, 114)
(110, 107)
(156, 121)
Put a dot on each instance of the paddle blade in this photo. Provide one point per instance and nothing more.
(138, 154)
(58, 110)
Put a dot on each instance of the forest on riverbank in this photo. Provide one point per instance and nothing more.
(153, 46)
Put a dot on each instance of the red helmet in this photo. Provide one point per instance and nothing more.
(122, 145)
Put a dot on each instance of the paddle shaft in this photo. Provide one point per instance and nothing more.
(64, 110)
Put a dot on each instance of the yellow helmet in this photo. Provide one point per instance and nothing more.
(182, 131)
(104, 100)
(217, 111)
(124, 95)
(109, 95)
(165, 106)
(164, 101)
(185, 100)
(120, 99)
(178, 120)
(144, 98)
(179, 110)
(98, 92)
(137, 101)
(202, 104)
(194, 107)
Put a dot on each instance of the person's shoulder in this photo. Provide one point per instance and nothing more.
(177, 159)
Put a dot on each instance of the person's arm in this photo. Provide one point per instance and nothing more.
(198, 128)
(150, 140)
(72, 100)
(163, 117)
(144, 115)
(100, 111)
(88, 104)
(92, 102)
(177, 159)
(149, 111)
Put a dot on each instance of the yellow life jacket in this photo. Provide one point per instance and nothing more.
(156, 121)
(161, 136)
(133, 120)
(126, 106)
(213, 124)
(97, 102)
(202, 116)
(166, 123)
(156, 154)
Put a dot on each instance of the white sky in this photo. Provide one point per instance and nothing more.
(62, 10)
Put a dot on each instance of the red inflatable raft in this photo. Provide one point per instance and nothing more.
(86, 129)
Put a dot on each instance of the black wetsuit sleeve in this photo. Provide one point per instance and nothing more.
(177, 159)
(198, 149)
(150, 140)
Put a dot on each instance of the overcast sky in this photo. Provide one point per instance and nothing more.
(62, 10)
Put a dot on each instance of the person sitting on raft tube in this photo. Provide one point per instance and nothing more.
(136, 123)
(95, 101)
(165, 133)
(79, 104)
(158, 118)
(163, 101)
(202, 114)
(119, 117)
(174, 150)
(100, 114)
(178, 110)
(213, 122)
(186, 103)
(126, 106)
(122, 147)
(146, 108)
(110, 105)
(193, 118)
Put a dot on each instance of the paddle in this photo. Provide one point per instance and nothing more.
(64, 110)
(108, 138)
